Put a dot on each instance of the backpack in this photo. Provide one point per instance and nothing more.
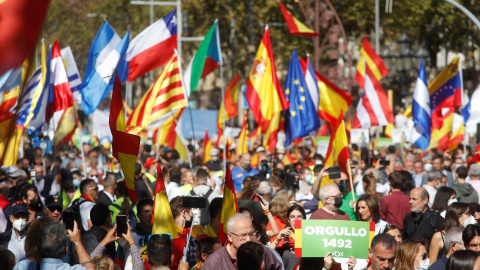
(75, 208)
(204, 213)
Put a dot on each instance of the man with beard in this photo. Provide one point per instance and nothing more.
(54, 207)
(29, 196)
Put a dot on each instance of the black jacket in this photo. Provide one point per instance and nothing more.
(103, 199)
(418, 226)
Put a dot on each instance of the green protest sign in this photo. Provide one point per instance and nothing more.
(315, 238)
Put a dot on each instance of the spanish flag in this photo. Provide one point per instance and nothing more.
(295, 27)
(373, 61)
(337, 152)
(229, 104)
(457, 132)
(166, 94)
(207, 146)
(124, 145)
(169, 136)
(229, 206)
(264, 93)
(242, 146)
(270, 129)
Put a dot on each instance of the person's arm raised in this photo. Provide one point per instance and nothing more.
(82, 254)
(316, 186)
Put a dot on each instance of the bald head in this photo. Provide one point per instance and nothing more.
(418, 200)
(237, 221)
(327, 191)
(245, 159)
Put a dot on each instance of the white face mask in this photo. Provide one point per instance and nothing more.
(452, 201)
(19, 225)
(424, 264)
(469, 221)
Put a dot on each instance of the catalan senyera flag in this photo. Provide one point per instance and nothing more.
(229, 206)
(169, 137)
(229, 103)
(264, 93)
(295, 27)
(207, 146)
(337, 152)
(165, 95)
(373, 61)
(242, 146)
(124, 146)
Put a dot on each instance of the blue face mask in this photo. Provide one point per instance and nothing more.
(309, 179)
(76, 182)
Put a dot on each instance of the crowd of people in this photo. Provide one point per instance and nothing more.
(63, 210)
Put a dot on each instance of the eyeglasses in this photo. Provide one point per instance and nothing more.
(55, 208)
(93, 188)
(336, 196)
(162, 237)
(244, 236)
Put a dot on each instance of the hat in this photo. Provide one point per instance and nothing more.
(19, 208)
(17, 173)
(260, 149)
(54, 200)
(214, 152)
(67, 176)
(11, 169)
(99, 214)
(150, 161)
(167, 149)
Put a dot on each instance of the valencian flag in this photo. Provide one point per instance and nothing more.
(165, 95)
(295, 27)
(21, 22)
(207, 146)
(242, 146)
(207, 58)
(444, 98)
(301, 117)
(229, 206)
(337, 152)
(229, 103)
(264, 93)
(124, 146)
(370, 59)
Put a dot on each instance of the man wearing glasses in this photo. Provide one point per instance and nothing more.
(86, 202)
(239, 231)
(53, 207)
(331, 198)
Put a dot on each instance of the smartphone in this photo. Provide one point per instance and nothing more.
(68, 220)
(262, 200)
(122, 227)
(194, 202)
(334, 172)
(384, 162)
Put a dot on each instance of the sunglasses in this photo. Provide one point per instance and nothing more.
(93, 188)
(55, 208)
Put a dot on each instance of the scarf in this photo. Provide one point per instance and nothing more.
(88, 198)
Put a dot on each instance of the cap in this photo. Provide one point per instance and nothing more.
(54, 200)
(167, 149)
(99, 214)
(19, 208)
(150, 161)
(260, 149)
(11, 169)
(67, 176)
(214, 152)
(17, 173)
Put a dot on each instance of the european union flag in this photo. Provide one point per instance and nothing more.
(302, 116)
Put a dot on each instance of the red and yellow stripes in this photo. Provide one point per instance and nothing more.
(166, 94)
(207, 146)
(441, 129)
(242, 146)
(162, 218)
(230, 101)
(169, 137)
(337, 152)
(264, 93)
(270, 129)
(229, 206)
(373, 61)
(333, 100)
(124, 146)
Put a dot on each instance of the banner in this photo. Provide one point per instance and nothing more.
(322, 143)
(400, 135)
(383, 141)
(315, 238)
(360, 136)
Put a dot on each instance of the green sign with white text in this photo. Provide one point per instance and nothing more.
(315, 238)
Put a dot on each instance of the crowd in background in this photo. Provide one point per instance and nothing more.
(425, 207)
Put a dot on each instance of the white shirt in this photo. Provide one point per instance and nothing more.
(112, 198)
(173, 190)
(431, 192)
(85, 212)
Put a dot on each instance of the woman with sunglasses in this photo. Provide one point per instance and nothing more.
(412, 254)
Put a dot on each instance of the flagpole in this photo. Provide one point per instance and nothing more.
(350, 178)
(81, 135)
(223, 124)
